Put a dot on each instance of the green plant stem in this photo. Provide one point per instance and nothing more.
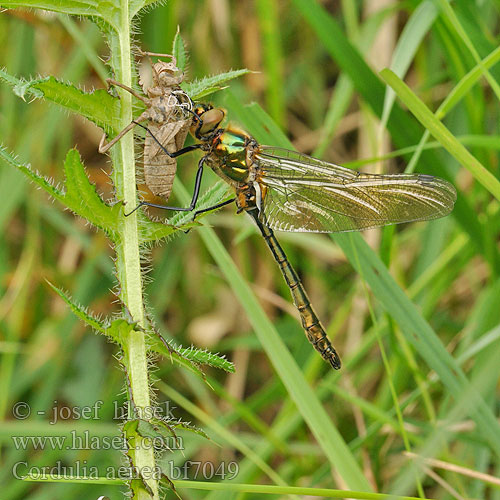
(128, 257)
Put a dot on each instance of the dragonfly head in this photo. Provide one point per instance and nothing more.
(207, 120)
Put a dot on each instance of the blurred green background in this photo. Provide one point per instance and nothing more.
(326, 103)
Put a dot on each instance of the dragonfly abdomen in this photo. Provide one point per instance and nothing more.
(314, 331)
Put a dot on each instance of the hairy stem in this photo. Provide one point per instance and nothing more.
(128, 256)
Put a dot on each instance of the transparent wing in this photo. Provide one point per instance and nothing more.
(305, 194)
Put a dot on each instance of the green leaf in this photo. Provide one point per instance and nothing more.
(155, 427)
(82, 198)
(180, 424)
(411, 37)
(13, 81)
(109, 13)
(206, 92)
(190, 357)
(115, 330)
(442, 134)
(211, 84)
(204, 357)
(212, 196)
(179, 51)
(77, 8)
(97, 106)
(449, 14)
(157, 231)
(26, 169)
(82, 312)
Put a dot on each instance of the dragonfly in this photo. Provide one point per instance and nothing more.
(289, 191)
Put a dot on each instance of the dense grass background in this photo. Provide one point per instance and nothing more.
(420, 349)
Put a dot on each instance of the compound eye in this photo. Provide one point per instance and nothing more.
(211, 120)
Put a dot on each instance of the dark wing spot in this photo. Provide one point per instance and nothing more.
(426, 179)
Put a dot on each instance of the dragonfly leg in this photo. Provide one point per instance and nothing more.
(156, 54)
(103, 148)
(175, 154)
(145, 100)
(194, 199)
(209, 209)
(219, 205)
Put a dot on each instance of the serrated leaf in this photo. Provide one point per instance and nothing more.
(26, 169)
(82, 198)
(212, 196)
(206, 92)
(179, 51)
(23, 87)
(8, 78)
(108, 13)
(204, 357)
(197, 88)
(146, 429)
(179, 424)
(97, 106)
(156, 231)
(182, 221)
(162, 427)
(81, 312)
(116, 330)
(189, 357)
(78, 8)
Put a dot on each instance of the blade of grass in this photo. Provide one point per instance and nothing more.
(409, 41)
(446, 9)
(418, 332)
(269, 17)
(228, 436)
(442, 134)
(403, 128)
(290, 490)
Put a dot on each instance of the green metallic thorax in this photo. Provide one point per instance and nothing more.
(229, 154)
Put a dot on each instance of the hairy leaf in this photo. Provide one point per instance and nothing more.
(179, 51)
(82, 312)
(80, 196)
(211, 84)
(189, 357)
(97, 106)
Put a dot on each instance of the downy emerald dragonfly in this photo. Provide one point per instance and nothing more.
(288, 191)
